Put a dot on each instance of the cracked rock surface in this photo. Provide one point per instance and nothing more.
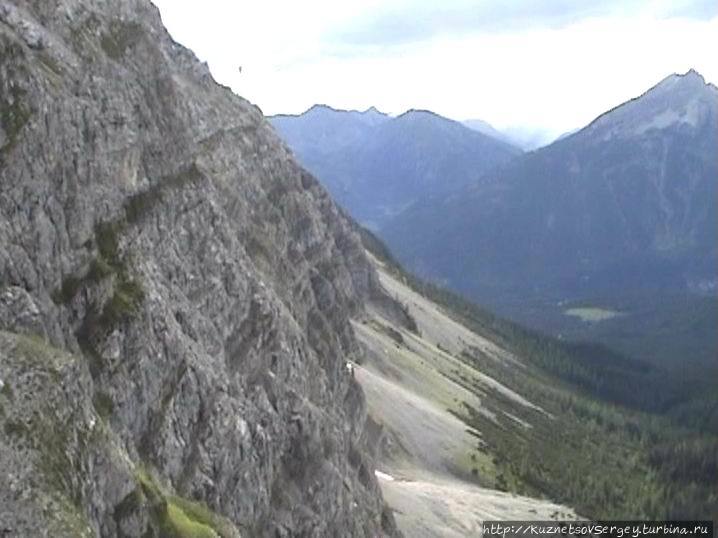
(175, 297)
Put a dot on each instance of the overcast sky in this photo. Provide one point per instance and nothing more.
(550, 64)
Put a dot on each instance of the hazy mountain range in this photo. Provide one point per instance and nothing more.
(523, 137)
(376, 166)
(621, 209)
(627, 202)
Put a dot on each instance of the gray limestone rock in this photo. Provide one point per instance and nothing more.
(175, 293)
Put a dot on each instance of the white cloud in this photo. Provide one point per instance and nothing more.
(555, 77)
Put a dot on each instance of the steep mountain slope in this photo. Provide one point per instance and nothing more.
(625, 204)
(375, 172)
(175, 298)
(417, 385)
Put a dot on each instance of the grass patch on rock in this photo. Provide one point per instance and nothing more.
(177, 517)
(178, 523)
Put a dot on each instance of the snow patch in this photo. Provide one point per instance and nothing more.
(689, 115)
(383, 476)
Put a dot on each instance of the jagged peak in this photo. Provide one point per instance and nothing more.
(318, 108)
(678, 98)
(324, 108)
(693, 73)
(373, 110)
(691, 79)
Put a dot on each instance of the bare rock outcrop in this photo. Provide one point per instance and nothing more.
(175, 296)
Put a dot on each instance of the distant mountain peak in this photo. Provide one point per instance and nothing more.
(370, 116)
(314, 109)
(677, 99)
(420, 112)
(524, 139)
(373, 116)
(376, 164)
(691, 79)
(692, 74)
(320, 107)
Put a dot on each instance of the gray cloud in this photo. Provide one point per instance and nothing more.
(420, 20)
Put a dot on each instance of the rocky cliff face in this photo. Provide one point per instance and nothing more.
(175, 295)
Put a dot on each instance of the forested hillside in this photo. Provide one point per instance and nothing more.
(618, 439)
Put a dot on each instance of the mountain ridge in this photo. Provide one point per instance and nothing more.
(689, 80)
(376, 171)
(372, 110)
(624, 204)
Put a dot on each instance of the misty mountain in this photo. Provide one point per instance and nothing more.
(489, 130)
(376, 166)
(530, 138)
(525, 138)
(627, 204)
